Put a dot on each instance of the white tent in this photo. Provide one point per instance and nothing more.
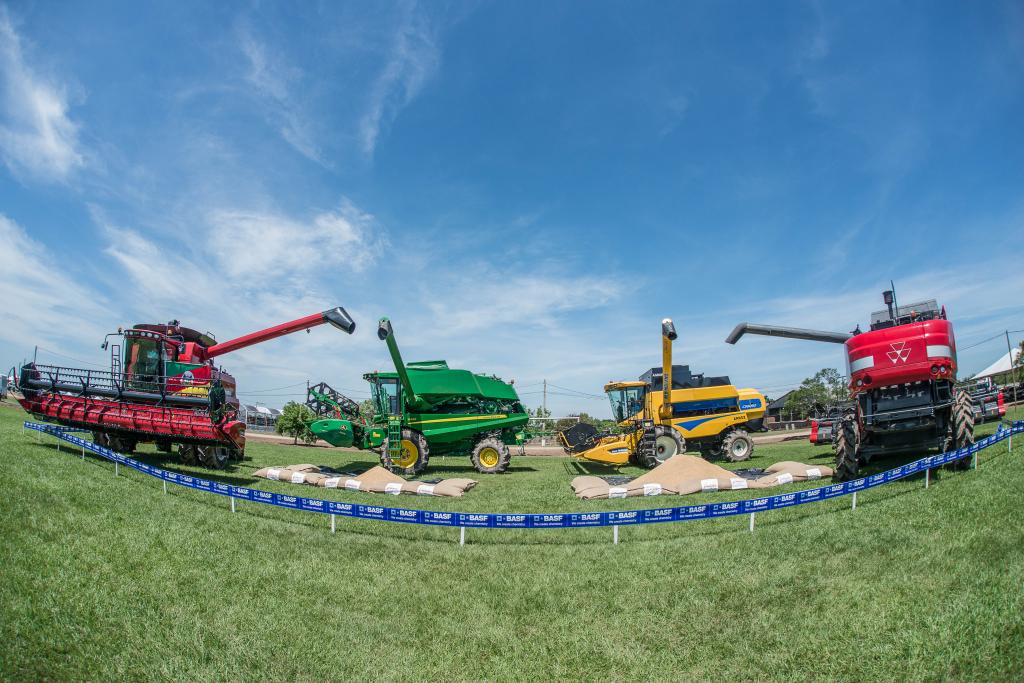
(1000, 366)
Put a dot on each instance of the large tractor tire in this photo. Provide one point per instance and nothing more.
(490, 456)
(188, 454)
(737, 446)
(101, 439)
(847, 445)
(215, 457)
(963, 427)
(122, 444)
(666, 443)
(413, 457)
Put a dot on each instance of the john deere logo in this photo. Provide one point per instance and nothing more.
(900, 352)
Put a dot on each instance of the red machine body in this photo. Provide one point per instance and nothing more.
(896, 355)
(164, 388)
(902, 379)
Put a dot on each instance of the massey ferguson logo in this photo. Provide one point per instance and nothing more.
(900, 352)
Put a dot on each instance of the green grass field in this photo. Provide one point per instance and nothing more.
(106, 578)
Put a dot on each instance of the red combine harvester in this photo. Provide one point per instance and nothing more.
(902, 381)
(163, 388)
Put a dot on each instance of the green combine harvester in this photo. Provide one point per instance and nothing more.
(421, 409)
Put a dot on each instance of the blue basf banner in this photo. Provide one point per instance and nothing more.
(534, 521)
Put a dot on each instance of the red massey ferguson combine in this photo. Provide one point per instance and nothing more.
(902, 381)
(164, 388)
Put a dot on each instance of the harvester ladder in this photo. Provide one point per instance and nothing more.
(394, 436)
(647, 440)
(115, 361)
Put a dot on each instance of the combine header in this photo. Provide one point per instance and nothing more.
(164, 388)
(903, 383)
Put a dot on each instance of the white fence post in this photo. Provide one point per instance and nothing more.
(615, 534)
(332, 522)
(752, 522)
(927, 477)
(232, 503)
(462, 535)
(165, 487)
(854, 506)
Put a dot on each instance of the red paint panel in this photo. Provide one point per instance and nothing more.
(900, 354)
(151, 422)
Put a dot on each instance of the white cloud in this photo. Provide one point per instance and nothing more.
(37, 138)
(488, 299)
(40, 302)
(272, 247)
(414, 57)
(274, 79)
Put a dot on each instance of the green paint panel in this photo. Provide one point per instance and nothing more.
(334, 432)
(441, 428)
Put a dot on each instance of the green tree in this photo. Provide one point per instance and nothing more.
(367, 410)
(823, 390)
(294, 422)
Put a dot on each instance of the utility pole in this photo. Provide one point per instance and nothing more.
(543, 441)
(1013, 368)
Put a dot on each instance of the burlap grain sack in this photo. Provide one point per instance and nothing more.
(678, 474)
(378, 480)
(316, 478)
(285, 473)
(713, 484)
(590, 488)
(788, 471)
(446, 487)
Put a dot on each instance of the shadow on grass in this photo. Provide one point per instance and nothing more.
(497, 537)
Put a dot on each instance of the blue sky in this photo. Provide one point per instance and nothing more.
(524, 188)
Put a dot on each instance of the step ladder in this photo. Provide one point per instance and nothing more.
(115, 361)
(646, 444)
(394, 436)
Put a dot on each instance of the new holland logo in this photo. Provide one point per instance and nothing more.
(900, 352)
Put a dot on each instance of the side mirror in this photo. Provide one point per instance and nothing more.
(104, 345)
(887, 297)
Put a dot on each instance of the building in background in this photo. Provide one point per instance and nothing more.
(258, 417)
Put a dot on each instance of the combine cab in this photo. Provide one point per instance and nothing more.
(424, 409)
(903, 382)
(162, 386)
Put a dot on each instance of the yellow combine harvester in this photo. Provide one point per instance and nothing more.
(668, 409)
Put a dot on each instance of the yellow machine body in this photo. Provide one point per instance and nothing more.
(702, 416)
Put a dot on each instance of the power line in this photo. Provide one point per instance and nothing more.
(289, 386)
(575, 391)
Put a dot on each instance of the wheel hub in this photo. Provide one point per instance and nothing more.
(409, 454)
(665, 447)
(489, 457)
